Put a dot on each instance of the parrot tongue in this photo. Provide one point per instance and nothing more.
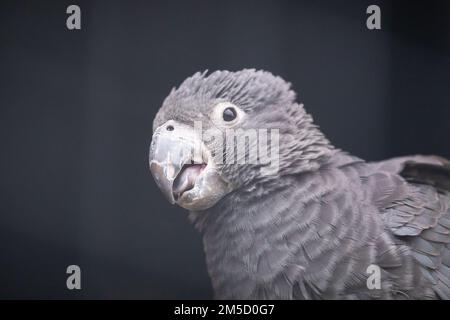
(185, 180)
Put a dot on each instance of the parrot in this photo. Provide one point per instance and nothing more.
(321, 223)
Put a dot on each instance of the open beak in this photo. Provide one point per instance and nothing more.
(183, 169)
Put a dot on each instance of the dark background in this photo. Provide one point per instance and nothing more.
(76, 111)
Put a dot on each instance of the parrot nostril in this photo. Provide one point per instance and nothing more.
(169, 128)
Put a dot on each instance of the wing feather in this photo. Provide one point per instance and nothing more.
(413, 194)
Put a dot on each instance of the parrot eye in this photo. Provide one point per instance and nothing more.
(229, 114)
(225, 114)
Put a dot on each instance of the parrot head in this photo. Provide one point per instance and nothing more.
(214, 133)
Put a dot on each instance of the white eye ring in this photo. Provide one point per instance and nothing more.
(226, 114)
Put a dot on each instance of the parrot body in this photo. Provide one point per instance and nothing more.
(317, 228)
(314, 236)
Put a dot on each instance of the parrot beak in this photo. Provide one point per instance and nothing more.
(183, 168)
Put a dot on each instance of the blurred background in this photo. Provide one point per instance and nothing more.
(76, 111)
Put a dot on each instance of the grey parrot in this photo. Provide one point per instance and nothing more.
(324, 225)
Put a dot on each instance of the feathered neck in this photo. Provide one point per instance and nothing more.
(246, 236)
